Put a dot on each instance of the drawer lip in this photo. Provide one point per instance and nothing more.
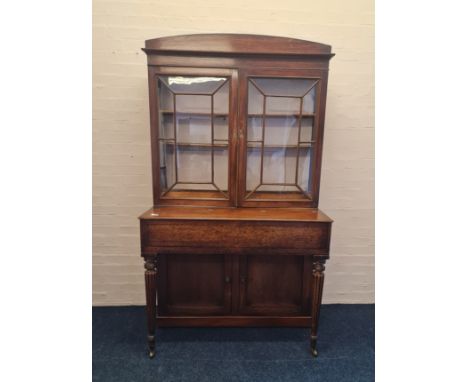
(221, 251)
(235, 214)
(235, 222)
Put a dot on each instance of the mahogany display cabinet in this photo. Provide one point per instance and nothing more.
(235, 236)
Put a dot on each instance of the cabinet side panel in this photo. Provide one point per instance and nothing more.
(322, 100)
(153, 101)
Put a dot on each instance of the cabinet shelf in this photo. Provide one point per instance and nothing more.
(252, 115)
(194, 113)
(200, 145)
(282, 115)
(304, 145)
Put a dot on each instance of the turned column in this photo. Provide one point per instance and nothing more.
(150, 287)
(318, 276)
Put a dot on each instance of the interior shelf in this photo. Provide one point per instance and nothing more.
(280, 115)
(200, 145)
(254, 143)
(303, 145)
(194, 113)
(277, 115)
(258, 146)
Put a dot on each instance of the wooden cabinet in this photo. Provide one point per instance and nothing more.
(235, 236)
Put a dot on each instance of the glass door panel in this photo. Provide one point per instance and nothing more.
(193, 136)
(281, 137)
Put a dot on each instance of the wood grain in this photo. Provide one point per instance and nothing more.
(311, 215)
(150, 288)
(238, 234)
(236, 44)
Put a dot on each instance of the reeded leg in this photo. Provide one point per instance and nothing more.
(150, 287)
(317, 289)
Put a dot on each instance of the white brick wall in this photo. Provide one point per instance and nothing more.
(121, 151)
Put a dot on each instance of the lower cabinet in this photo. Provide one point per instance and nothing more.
(234, 285)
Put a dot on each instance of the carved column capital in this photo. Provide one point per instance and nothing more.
(318, 267)
(151, 263)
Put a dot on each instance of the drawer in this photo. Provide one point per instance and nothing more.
(235, 234)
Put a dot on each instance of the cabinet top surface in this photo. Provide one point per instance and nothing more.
(236, 44)
(232, 213)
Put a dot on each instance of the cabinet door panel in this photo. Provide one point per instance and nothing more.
(281, 123)
(194, 285)
(273, 285)
(193, 120)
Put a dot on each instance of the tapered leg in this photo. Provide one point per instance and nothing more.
(150, 287)
(317, 289)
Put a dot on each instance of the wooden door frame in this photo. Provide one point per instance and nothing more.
(153, 73)
(244, 74)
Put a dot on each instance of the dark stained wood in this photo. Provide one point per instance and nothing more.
(311, 215)
(233, 137)
(317, 289)
(321, 254)
(232, 260)
(319, 124)
(239, 234)
(204, 289)
(268, 199)
(154, 131)
(240, 62)
(235, 297)
(150, 288)
(195, 197)
(235, 321)
(271, 285)
(236, 44)
(250, 115)
(239, 69)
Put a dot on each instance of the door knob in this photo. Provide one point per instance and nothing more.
(228, 279)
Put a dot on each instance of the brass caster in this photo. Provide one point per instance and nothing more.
(313, 346)
(152, 353)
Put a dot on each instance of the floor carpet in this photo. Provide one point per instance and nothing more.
(345, 345)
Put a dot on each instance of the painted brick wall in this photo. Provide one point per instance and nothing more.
(121, 151)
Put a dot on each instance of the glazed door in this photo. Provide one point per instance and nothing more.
(274, 285)
(193, 119)
(280, 137)
(194, 285)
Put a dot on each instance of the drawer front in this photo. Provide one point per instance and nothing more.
(235, 234)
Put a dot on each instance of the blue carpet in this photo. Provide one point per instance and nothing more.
(345, 345)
